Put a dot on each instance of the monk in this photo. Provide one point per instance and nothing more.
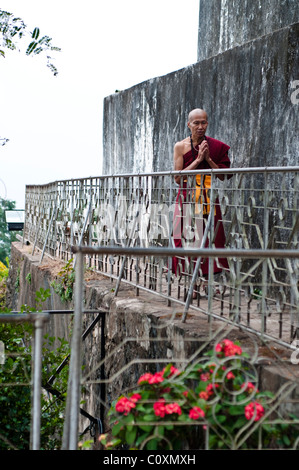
(201, 152)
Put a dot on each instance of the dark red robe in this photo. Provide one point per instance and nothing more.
(219, 154)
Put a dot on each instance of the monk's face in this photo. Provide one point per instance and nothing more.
(198, 123)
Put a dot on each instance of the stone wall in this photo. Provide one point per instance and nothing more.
(247, 90)
(224, 24)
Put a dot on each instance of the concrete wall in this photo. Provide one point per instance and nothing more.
(224, 24)
(246, 90)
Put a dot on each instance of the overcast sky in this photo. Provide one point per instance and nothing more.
(54, 124)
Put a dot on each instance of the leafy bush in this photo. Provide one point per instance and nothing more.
(15, 385)
(3, 278)
(64, 287)
(214, 403)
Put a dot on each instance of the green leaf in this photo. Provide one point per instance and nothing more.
(149, 417)
(141, 438)
(239, 423)
(131, 435)
(236, 410)
(145, 427)
(31, 47)
(35, 33)
(152, 444)
(221, 418)
(169, 427)
(117, 428)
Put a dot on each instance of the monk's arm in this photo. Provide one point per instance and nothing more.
(179, 161)
(214, 165)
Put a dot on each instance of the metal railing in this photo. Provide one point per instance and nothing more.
(38, 383)
(38, 320)
(257, 288)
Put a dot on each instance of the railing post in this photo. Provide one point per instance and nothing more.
(37, 381)
(70, 435)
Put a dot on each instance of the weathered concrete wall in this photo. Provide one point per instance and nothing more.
(224, 24)
(247, 92)
(26, 276)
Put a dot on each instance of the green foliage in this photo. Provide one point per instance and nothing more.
(13, 29)
(4, 270)
(15, 385)
(64, 287)
(6, 237)
(41, 296)
(171, 409)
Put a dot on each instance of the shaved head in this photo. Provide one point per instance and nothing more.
(196, 112)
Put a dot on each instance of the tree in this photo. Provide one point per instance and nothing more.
(12, 30)
(6, 237)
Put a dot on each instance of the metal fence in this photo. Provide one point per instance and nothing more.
(41, 378)
(257, 209)
(281, 411)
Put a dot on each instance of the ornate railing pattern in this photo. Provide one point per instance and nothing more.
(259, 209)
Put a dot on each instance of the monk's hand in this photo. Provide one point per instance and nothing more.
(202, 150)
(206, 151)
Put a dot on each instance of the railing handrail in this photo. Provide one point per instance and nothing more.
(175, 173)
(193, 252)
(137, 228)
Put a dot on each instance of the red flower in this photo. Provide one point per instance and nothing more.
(230, 375)
(196, 413)
(156, 378)
(210, 389)
(135, 397)
(228, 348)
(145, 377)
(173, 370)
(124, 405)
(205, 377)
(254, 410)
(173, 408)
(159, 408)
(250, 388)
(204, 395)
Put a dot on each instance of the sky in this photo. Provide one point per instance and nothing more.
(54, 123)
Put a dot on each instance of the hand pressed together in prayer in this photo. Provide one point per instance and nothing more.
(203, 152)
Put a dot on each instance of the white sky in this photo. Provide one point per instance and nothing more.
(54, 124)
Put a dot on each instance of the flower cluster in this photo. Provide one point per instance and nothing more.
(158, 377)
(209, 391)
(125, 405)
(228, 348)
(255, 411)
(199, 393)
(196, 413)
(161, 408)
